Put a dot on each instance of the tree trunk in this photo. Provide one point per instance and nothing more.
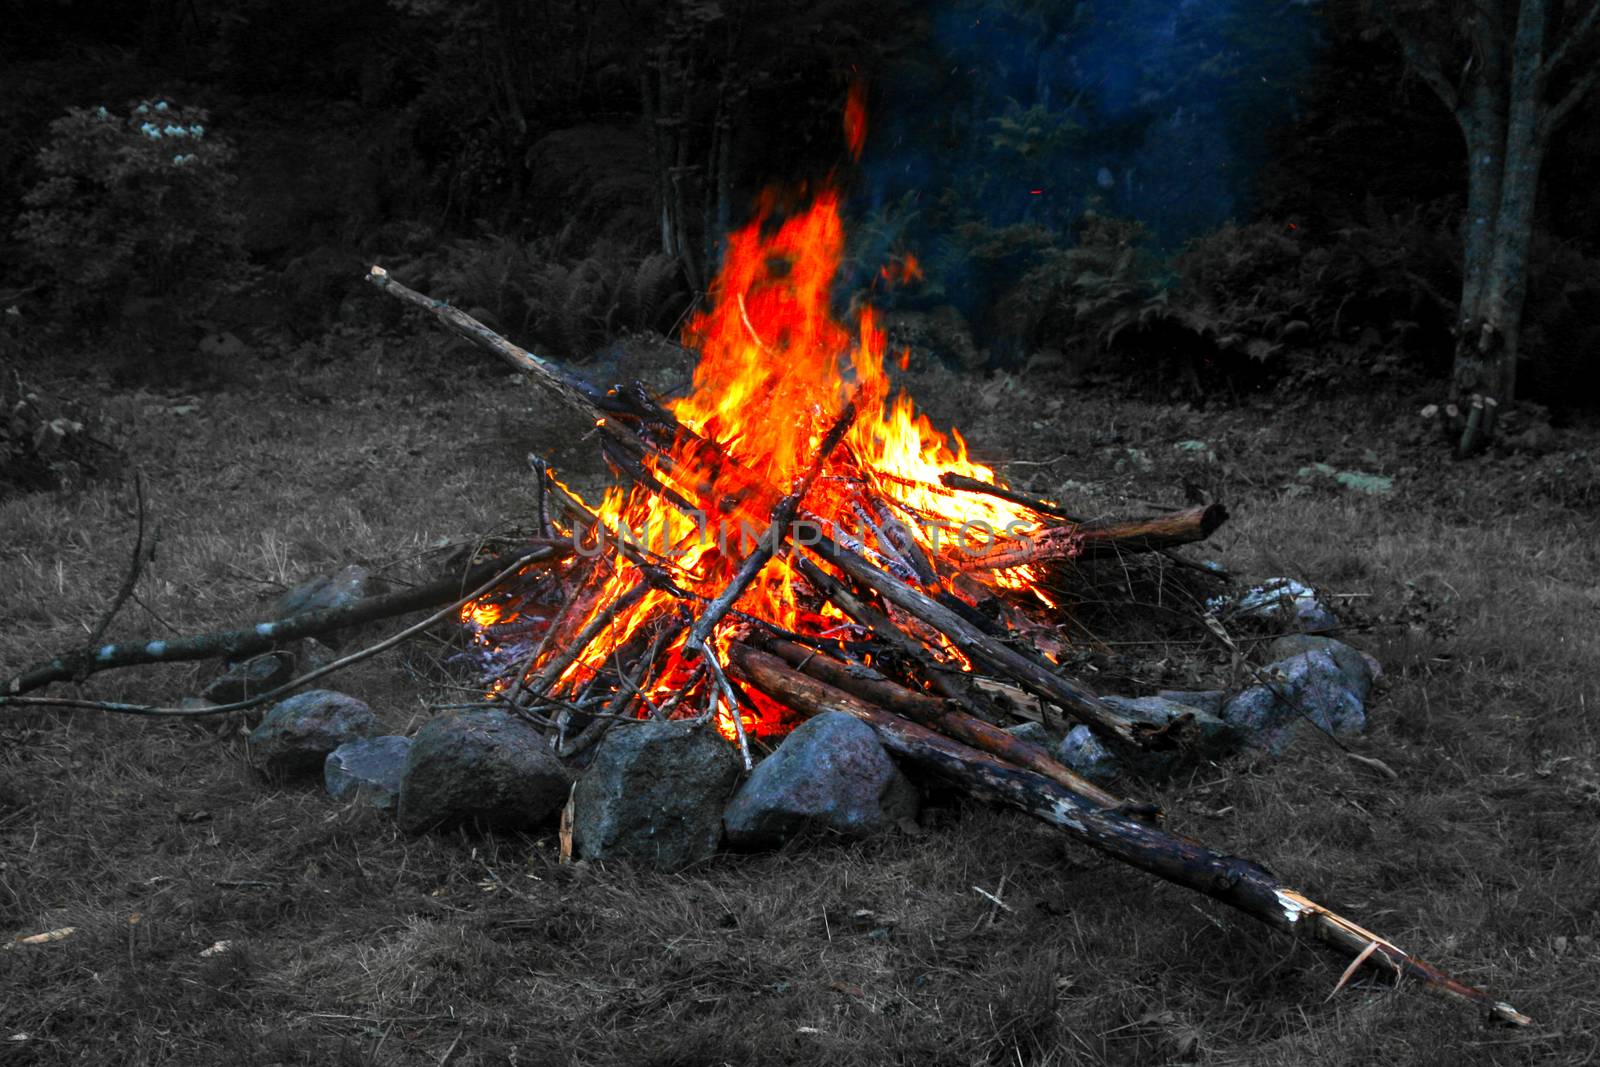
(1506, 141)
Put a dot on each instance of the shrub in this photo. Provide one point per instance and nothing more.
(131, 207)
(569, 304)
(49, 442)
(1077, 299)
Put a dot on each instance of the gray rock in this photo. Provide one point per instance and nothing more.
(311, 654)
(337, 590)
(1035, 733)
(1284, 601)
(655, 793)
(250, 677)
(1361, 668)
(1206, 700)
(484, 767)
(371, 768)
(830, 773)
(1084, 753)
(1318, 688)
(1206, 735)
(295, 737)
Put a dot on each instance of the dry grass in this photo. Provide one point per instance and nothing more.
(355, 945)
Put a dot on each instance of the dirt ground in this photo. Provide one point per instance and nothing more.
(1472, 582)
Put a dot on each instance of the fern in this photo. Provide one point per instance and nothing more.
(568, 305)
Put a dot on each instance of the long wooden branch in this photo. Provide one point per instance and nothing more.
(953, 683)
(577, 394)
(518, 563)
(264, 636)
(1098, 539)
(1237, 882)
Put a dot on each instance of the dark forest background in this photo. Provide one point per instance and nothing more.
(1235, 195)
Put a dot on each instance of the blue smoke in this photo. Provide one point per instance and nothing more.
(1019, 117)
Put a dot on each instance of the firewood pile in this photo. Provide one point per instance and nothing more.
(789, 540)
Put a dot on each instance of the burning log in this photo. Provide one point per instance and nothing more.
(1100, 538)
(1236, 882)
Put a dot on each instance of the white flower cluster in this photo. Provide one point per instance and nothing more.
(152, 131)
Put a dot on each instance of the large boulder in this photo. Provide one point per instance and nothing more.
(371, 768)
(1309, 690)
(297, 734)
(654, 793)
(487, 768)
(830, 773)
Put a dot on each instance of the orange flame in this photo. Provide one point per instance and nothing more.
(855, 118)
(776, 366)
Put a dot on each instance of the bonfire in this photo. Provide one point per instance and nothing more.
(791, 537)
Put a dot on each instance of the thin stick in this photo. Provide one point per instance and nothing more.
(951, 480)
(1034, 672)
(627, 689)
(949, 681)
(557, 625)
(551, 672)
(289, 686)
(949, 720)
(906, 542)
(891, 551)
(541, 476)
(726, 689)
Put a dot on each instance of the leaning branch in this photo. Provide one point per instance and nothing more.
(265, 636)
(151, 711)
(1098, 539)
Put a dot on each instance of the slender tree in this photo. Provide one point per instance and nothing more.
(1510, 71)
